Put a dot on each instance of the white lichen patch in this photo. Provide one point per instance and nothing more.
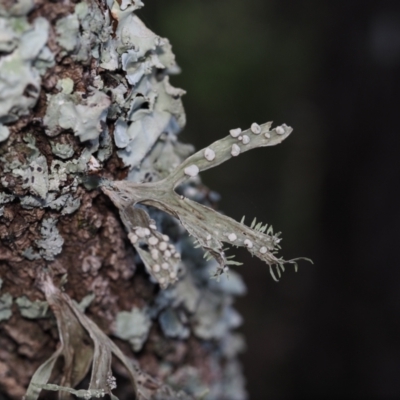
(232, 237)
(263, 250)
(248, 243)
(192, 170)
(255, 128)
(209, 154)
(93, 164)
(163, 246)
(153, 240)
(235, 132)
(246, 139)
(133, 238)
(156, 268)
(235, 150)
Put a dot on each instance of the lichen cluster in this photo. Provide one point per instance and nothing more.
(55, 131)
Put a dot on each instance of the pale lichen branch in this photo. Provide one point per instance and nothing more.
(208, 227)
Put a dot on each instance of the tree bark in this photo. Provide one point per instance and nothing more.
(85, 93)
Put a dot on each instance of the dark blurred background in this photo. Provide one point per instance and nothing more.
(330, 69)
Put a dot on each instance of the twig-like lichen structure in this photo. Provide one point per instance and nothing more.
(209, 228)
(83, 345)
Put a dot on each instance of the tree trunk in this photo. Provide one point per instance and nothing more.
(85, 93)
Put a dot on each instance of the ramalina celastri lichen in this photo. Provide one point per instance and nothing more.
(209, 228)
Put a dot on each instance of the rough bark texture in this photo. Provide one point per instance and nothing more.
(51, 220)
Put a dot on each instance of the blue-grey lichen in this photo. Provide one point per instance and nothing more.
(162, 113)
(133, 326)
(80, 34)
(26, 58)
(153, 106)
(71, 111)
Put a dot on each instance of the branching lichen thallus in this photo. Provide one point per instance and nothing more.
(208, 227)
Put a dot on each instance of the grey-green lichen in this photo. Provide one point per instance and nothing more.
(5, 306)
(62, 150)
(26, 58)
(32, 309)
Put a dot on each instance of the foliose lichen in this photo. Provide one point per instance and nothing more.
(26, 58)
(70, 111)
